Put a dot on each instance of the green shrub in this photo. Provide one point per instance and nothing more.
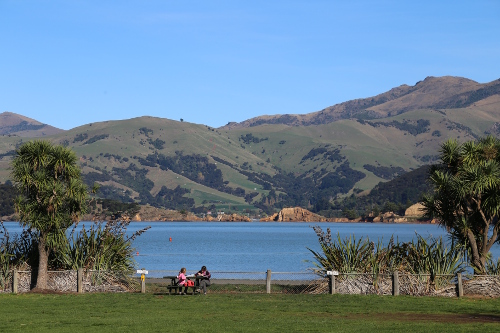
(102, 247)
(425, 256)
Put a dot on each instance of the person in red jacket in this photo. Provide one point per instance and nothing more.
(205, 282)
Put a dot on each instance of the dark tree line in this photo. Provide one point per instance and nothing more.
(413, 127)
(384, 172)
(114, 207)
(7, 195)
(395, 195)
(194, 167)
(331, 155)
(249, 138)
(96, 138)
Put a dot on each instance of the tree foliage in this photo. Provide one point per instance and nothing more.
(466, 198)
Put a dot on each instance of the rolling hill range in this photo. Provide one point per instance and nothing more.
(277, 161)
(14, 124)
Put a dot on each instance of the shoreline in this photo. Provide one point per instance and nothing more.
(253, 221)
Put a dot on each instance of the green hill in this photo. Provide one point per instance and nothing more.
(260, 164)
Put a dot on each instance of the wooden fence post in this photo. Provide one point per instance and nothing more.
(268, 281)
(79, 280)
(15, 281)
(459, 283)
(395, 283)
(332, 284)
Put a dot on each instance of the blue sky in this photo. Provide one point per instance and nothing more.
(69, 63)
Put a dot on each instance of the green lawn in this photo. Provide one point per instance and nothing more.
(244, 313)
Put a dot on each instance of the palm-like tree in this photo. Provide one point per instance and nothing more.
(466, 199)
(53, 196)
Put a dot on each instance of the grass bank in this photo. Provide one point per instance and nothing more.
(244, 313)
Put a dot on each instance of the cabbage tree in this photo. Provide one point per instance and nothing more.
(52, 198)
(466, 198)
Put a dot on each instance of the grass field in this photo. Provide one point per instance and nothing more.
(244, 313)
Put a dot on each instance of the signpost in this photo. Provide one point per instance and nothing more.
(143, 273)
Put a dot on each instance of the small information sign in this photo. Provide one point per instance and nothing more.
(332, 273)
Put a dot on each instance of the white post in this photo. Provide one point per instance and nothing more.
(268, 281)
(15, 281)
(395, 284)
(460, 286)
(79, 280)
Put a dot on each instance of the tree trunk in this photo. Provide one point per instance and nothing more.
(43, 259)
(478, 259)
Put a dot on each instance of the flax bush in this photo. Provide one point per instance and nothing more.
(350, 255)
(19, 251)
(103, 247)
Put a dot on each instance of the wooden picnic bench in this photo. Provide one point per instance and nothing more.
(175, 288)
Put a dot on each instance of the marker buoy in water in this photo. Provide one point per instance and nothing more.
(137, 253)
(170, 239)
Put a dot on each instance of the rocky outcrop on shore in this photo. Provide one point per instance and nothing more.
(412, 214)
(9, 218)
(415, 210)
(390, 217)
(296, 214)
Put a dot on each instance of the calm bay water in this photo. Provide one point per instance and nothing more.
(250, 246)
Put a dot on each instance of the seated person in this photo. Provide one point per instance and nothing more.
(205, 282)
(182, 281)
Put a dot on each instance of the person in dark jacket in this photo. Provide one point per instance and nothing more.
(205, 282)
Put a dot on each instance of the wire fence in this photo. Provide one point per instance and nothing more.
(67, 281)
(158, 281)
(240, 282)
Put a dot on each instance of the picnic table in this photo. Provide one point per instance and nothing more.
(175, 288)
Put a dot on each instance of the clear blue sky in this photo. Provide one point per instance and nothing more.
(69, 63)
